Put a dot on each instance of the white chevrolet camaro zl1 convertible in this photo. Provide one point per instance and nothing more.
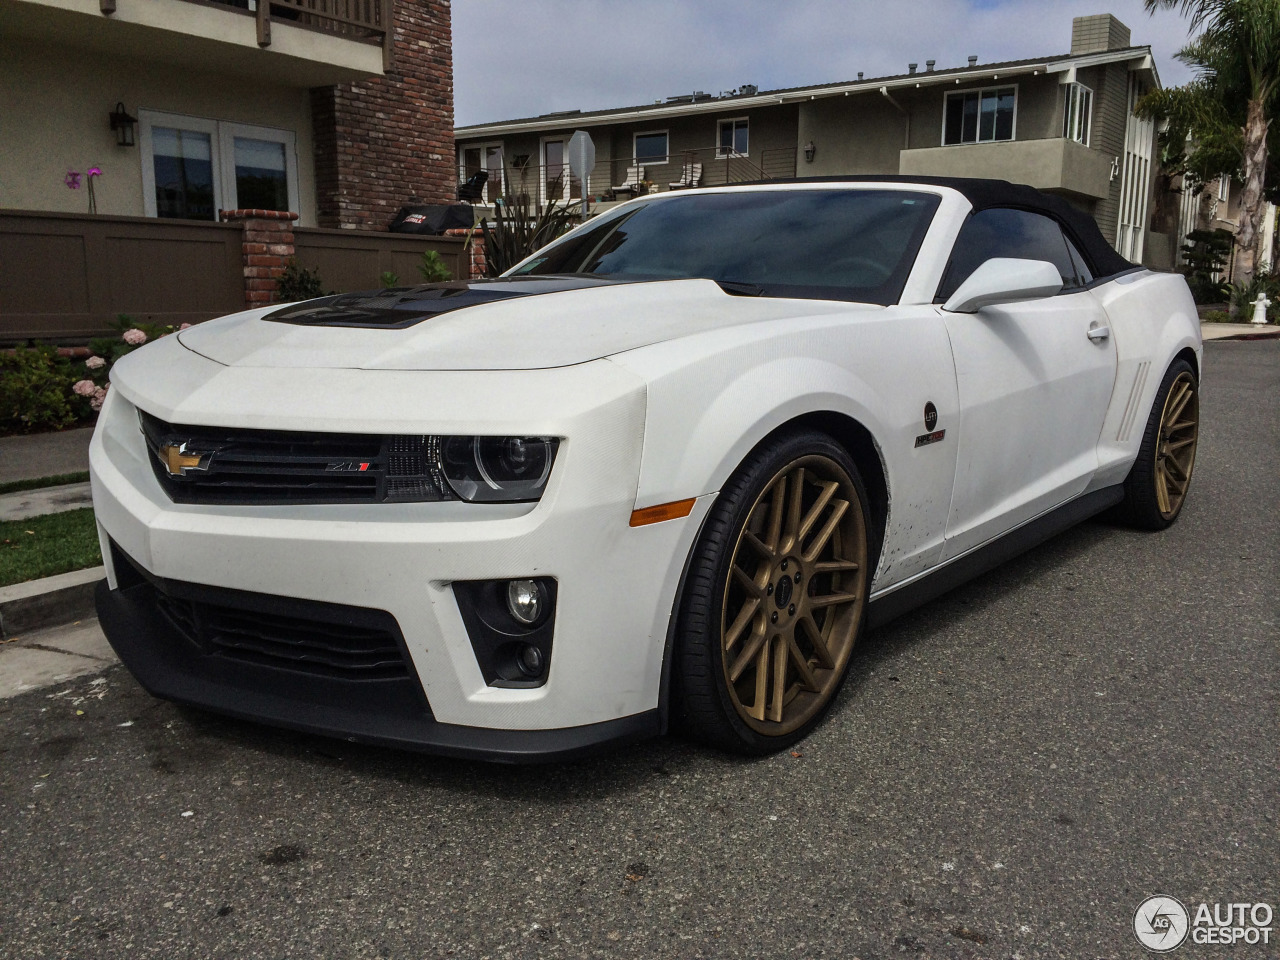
(665, 471)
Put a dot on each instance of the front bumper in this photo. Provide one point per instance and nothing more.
(616, 584)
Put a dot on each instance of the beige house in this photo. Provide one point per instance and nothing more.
(1063, 123)
(191, 107)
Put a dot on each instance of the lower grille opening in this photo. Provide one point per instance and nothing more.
(321, 639)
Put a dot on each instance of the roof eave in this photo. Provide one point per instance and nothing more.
(802, 94)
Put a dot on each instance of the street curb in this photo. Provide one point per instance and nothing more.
(48, 602)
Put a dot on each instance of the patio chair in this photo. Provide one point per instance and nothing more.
(473, 189)
(690, 176)
(631, 183)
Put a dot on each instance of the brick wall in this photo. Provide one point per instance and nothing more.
(267, 245)
(382, 141)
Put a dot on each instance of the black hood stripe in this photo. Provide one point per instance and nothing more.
(400, 307)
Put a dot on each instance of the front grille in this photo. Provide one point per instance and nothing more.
(240, 466)
(322, 639)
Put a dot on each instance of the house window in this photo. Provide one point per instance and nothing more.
(1224, 188)
(1077, 113)
(486, 157)
(651, 148)
(192, 167)
(979, 116)
(732, 139)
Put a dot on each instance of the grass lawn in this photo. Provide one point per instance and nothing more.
(43, 546)
(15, 486)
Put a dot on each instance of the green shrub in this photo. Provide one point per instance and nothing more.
(433, 268)
(388, 279)
(298, 283)
(522, 226)
(1216, 316)
(35, 391)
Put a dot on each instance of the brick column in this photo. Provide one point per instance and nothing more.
(267, 246)
(386, 141)
(477, 249)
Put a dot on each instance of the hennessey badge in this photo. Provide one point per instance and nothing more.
(927, 438)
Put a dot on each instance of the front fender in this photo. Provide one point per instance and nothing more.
(714, 397)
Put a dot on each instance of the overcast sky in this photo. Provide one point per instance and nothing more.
(520, 58)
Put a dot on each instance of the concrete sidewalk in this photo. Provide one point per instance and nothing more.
(36, 503)
(51, 656)
(1238, 331)
(38, 455)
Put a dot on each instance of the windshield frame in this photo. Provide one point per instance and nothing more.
(888, 293)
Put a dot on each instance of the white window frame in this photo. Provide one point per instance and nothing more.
(1224, 188)
(722, 152)
(1074, 92)
(565, 186)
(147, 119)
(484, 149)
(227, 133)
(222, 134)
(1013, 135)
(650, 162)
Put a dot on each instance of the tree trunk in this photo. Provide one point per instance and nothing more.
(1252, 208)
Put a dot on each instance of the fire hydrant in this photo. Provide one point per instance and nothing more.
(1260, 308)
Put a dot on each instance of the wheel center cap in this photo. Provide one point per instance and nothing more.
(782, 592)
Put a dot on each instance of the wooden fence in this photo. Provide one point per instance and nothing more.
(66, 277)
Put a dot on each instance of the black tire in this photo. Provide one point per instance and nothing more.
(1145, 505)
(708, 704)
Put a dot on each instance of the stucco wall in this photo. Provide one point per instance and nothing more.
(54, 119)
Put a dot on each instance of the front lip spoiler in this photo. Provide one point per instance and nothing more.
(168, 668)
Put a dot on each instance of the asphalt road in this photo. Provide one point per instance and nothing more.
(1008, 773)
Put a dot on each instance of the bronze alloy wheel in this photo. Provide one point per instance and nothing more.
(1176, 444)
(794, 596)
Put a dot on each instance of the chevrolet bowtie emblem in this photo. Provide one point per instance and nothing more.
(177, 461)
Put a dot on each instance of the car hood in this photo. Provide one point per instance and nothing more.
(515, 324)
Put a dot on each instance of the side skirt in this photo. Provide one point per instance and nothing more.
(991, 555)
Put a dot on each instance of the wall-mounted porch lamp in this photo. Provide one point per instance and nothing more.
(809, 151)
(122, 125)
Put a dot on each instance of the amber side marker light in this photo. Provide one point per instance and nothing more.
(663, 511)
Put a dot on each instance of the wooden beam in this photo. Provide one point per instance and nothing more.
(264, 23)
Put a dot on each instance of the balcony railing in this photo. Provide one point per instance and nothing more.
(364, 20)
(614, 180)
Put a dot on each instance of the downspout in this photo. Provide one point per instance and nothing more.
(884, 92)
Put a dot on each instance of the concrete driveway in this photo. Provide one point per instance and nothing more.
(1009, 772)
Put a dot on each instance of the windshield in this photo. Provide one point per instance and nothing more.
(818, 244)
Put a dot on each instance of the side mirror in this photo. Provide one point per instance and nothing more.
(1005, 280)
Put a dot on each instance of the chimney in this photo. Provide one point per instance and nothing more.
(1097, 34)
(928, 65)
(973, 61)
(911, 67)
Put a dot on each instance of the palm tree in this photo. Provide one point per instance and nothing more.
(1238, 58)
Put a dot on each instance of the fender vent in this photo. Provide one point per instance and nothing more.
(1135, 396)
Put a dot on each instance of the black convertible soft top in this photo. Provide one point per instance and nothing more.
(1082, 228)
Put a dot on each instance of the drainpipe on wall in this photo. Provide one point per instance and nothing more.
(884, 92)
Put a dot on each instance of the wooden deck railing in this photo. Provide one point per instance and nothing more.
(365, 20)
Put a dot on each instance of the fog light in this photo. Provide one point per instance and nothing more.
(527, 601)
(530, 661)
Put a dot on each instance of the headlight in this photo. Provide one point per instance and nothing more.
(488, 469)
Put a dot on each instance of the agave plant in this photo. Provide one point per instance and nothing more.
(522, 225)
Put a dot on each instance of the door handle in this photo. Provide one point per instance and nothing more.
(1099, 332)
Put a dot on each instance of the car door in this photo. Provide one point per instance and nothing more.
(1034, 379)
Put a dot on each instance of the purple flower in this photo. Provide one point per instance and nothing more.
(93, 172)
(134, 337)
(72, 179)
(84, 388)
(95, 363)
